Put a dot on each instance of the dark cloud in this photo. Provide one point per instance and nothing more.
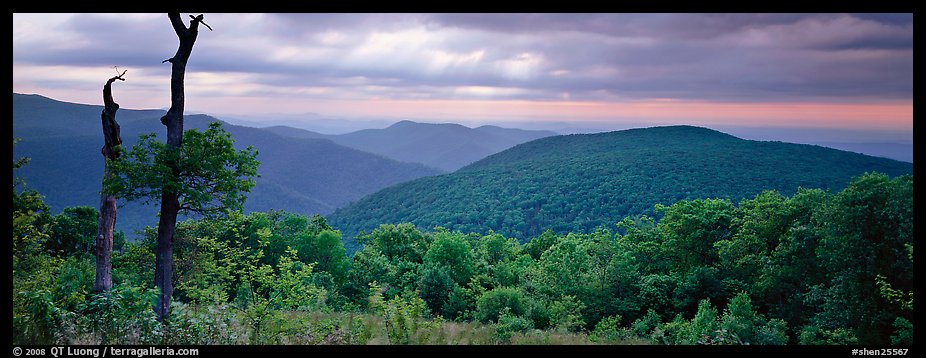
(96, 40)
(889, 19)
(660, 26)
(725, 57)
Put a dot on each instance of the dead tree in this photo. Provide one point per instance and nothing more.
(170, 203)
(107, 221)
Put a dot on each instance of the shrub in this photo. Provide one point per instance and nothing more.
(567, 314)
(42, 322)
(816, 335)
(122, 316)
(608, 329)
(509, 324)
(490, 305)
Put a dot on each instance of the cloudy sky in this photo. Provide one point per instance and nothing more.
(820, 71)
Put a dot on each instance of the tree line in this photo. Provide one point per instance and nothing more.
(812, 268)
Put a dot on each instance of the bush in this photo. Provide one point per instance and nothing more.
(608, 330)
(567, 314)
(773, 333)
(704, 325)
(643, 327)
(435, 286)
(675, 332)
(43, 322)
(458, 306)
(509, 324)
(405, 323)
(815, 335)
(903, 333)
(490, 305)
(122, 316)
(538, 313)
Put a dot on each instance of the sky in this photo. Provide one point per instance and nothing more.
(572, 72)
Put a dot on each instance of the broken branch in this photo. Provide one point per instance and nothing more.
(200, 20)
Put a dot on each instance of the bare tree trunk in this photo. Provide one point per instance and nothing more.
(170, 199)
(107, 222)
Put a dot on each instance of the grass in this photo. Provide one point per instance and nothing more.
(345, 328)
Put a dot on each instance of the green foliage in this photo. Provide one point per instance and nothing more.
(375, 303)
(39, 320)
(367, 267)
(536, 246)
(329, 255)
(398, 242)
(656, 293)
(122, 316)
(690, 229)
(509, 324)
(405, 323)
(563, 268)
(538, 311)
(435, 286)
(773, 333)
(703, 326)
(491, 304)
(903, 333)
(815, 335)
(743, 325)
(74, 283)
(74, 232)
(31, 222)
(272, 278)
(645, 325)
(212, 273)
(452, 252)
(865, 233)
(760, 225)
(199, 326)
(459, 304)
(294, 287)
(567, 314)
(740, 319)
(608, 330)
(903, 299)
(213, 177)
(577, 183)
(135, 265)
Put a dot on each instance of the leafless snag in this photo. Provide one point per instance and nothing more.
(107, 219)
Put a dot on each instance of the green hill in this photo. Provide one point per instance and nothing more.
(301, 175)
(579, 182)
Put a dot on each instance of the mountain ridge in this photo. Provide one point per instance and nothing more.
(302, 175)
(445, 146)
(575, 183)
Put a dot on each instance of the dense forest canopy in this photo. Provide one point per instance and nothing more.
(811, 268)
(576, 183)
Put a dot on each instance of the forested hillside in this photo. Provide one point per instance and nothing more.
(812, 268)
(576, 183)
(303, 175)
